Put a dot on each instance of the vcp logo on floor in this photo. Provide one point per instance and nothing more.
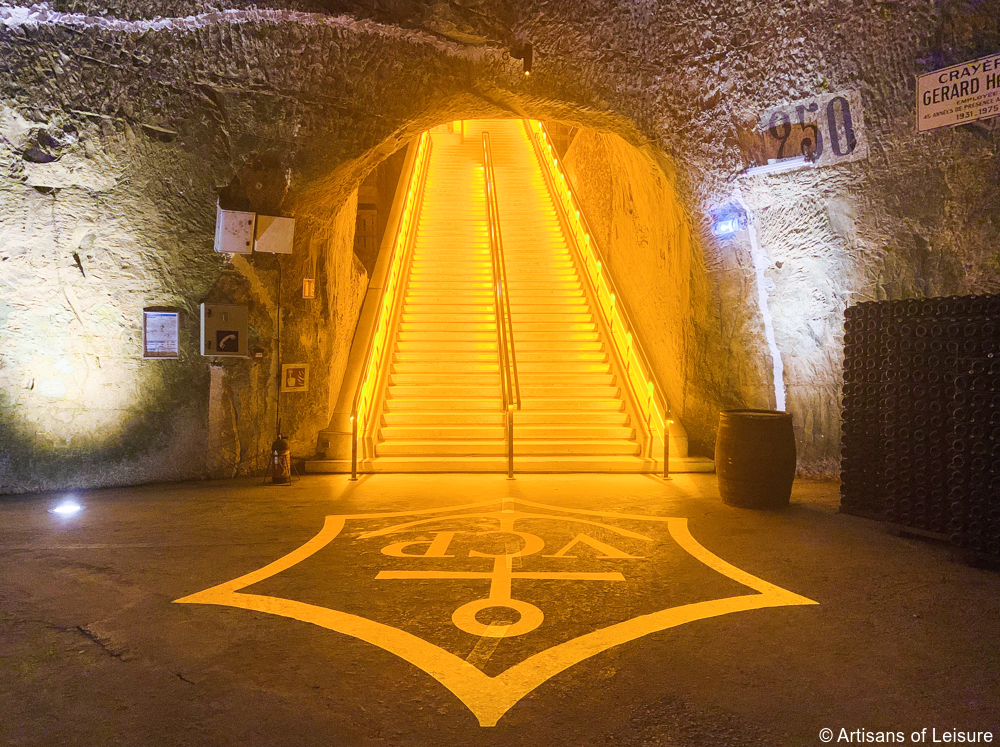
(491, 599)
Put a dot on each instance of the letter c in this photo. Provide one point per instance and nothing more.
(532, 544)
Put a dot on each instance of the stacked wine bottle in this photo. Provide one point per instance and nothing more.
(921, 417)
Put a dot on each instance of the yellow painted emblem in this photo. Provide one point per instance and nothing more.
(520, 556)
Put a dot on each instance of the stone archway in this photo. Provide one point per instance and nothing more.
(666, 259)
(284, 115)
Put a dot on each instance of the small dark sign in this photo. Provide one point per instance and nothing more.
(295, 377)
(227, 341)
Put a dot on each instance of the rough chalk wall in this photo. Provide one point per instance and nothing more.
(645, 237)
(120, 129)
(118, 140)
(244, 412)
(82, 252)
(919, 216)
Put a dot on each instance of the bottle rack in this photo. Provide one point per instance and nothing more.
(921, 417)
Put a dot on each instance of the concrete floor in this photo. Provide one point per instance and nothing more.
(94, 650)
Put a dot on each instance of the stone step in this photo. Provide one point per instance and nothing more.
(471, 447)
(491, 404)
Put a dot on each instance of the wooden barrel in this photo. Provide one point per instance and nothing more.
(755, 458)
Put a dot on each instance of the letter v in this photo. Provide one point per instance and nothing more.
(609, 551)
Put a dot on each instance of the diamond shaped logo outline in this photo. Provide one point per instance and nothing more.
(489, 698)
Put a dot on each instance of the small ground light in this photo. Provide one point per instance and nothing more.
(68, 507)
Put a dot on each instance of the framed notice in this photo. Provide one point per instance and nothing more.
(294, 377)
(160, 334)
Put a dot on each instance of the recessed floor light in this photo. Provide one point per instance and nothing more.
(68, 507)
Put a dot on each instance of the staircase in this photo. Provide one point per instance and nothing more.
(574, 415)
(443, 410)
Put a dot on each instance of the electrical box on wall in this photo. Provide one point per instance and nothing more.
(234, 231)
(224, 329)
(274, 235)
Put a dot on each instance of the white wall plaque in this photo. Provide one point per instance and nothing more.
(827, 130)
(959, 94)
(160, 334)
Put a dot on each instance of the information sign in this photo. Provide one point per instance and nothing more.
(160, 334)
(295, 377)
(959, 94)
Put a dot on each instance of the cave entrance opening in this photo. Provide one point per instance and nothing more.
(495, 338)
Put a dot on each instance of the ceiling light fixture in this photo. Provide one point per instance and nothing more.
(523, 51)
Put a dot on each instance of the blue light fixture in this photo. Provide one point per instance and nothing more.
(728, 220)
(726, 228)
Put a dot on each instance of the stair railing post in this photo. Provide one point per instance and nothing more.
(510, 442)
(354, 447)
(509, 385)
(666, 450)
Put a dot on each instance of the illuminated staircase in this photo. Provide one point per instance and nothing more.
(574, 415)
(443, 407)
(442, 410)
(429, 376)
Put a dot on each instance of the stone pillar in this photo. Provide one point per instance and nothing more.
(223, 437)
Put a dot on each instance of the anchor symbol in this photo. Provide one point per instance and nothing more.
(500, 578)
(489, 696)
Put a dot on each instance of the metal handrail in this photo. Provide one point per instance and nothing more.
(581, 238)
(510, 387)
(379, 342)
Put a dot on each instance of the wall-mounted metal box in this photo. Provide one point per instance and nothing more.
(224, 329)
(274, 235)
(233, 231)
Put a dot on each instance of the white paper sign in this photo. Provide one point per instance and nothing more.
(959, 94)
(161, 334)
